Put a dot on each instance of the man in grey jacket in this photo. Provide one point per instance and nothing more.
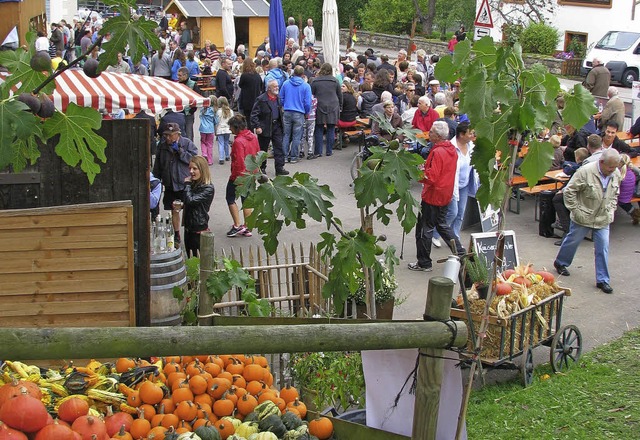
(598, 79)
(592, 197)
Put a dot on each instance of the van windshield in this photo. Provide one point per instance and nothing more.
(615, 40)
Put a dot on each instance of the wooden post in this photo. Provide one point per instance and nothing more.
(413, 34)
(205, 302)
(114, 342)
(430, 366)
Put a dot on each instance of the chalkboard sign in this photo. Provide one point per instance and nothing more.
(485, 244)
(489, 218)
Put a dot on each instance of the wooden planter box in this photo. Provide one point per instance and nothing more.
(572, 67)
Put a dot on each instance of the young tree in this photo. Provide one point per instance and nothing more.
(523, 12)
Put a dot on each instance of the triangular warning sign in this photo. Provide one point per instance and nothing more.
(484, 15)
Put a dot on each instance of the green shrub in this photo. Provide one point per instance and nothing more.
(539, 38)
(511, 33)
(578, 48)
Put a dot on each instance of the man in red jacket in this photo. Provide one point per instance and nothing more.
(425, 116)
(244, 144)
(439, 178)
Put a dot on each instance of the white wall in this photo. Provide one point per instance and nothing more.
(593, 21)
(59, 9)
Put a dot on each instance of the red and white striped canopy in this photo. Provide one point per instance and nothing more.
(115, 91)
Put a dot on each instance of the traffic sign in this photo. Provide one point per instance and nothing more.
(484, 18)
(480, 32)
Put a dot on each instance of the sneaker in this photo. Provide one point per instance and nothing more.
(227, 158)
(436, 242)
(221, 162)
(416, 267)
(311, 156)
(236, 230)
(245, 232)
(294, 160)
(301, 155)
(282, 172)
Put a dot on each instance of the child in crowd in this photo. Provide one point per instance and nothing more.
(222, 130)
(558, 157)
(198, 196)
(206, 67)
(208, 122)
(627, 188)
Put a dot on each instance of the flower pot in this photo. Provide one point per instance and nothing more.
(383, 311)
(483, 291)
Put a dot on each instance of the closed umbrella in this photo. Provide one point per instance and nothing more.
(228, 24)
(277, 29)
(330, 35)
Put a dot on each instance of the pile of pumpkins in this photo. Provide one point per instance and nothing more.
(227, 397)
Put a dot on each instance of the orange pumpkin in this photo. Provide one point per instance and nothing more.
(321, 427)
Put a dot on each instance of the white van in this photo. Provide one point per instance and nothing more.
(620, 52)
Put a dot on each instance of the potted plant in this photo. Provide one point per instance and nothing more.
(329, 379)
(478, 271)
(385, 285)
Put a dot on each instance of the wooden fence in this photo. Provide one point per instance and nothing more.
(291, 280)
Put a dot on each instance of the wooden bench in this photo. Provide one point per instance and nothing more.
(350, 132)
(207, 91)
(536, 191)
(519, 183)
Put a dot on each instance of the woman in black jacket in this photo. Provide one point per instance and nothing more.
(251, 86)
(327, 91)
(349, 111)
(198, 196)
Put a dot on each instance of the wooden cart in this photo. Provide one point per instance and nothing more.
(519, 333)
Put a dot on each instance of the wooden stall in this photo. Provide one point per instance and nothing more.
(67, 266)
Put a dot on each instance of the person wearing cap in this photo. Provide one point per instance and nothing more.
(425, 116)
(434, 87)
(598, 79)
(392, 117)
(172, 168)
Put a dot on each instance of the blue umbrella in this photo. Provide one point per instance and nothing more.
(277, 28)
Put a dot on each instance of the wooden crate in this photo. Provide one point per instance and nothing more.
(67, 266)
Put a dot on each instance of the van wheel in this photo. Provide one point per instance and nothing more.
(628, 77)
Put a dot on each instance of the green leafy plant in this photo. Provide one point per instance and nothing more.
(22, 131)
(329, 379)
(577, 47)
(508, 104)
(539, 38)
(477, 268)
(228, 275)
(385, 285)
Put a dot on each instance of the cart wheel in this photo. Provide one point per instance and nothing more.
(527, 367)
(565, 348)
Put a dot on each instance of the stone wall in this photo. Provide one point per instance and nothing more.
(397, 42)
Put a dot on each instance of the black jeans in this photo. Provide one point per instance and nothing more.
(430, 218)
(276, 140)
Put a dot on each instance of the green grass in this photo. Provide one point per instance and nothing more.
(599, 398)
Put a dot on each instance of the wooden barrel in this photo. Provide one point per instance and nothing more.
(167, 271)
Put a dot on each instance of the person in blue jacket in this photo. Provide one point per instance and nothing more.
(296, 102)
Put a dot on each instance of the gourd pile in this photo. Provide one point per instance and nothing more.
(516, 289)
(175, 398)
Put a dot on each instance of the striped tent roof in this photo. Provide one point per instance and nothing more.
(115, 91)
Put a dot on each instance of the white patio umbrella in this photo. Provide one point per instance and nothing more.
(228, 25)
(330, 34)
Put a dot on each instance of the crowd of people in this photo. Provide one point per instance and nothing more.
(294, 107)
